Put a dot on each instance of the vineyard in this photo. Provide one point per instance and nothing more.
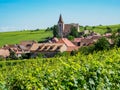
(97, 71)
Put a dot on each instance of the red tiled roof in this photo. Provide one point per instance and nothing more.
(77, 40)
(48, 47)
(67, 42)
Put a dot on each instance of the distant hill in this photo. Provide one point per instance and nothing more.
(39, 35)
(17, 36)
(101, 28)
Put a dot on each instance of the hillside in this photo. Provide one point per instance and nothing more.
(97, 71)
(102, 28)
(16, 37)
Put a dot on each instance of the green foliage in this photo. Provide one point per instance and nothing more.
(60, 54)
(86, 27)
(40, 55)
(117, 41)
(109, 30)
(74, 32)
(103, 29)
(12, 55)
(55, 30)
(74, 53)
(1, 58)
(71, 37)
(48, 29)
(18, 36)
(87, 49)
(97, 71)
(102, 44)
(118, 30)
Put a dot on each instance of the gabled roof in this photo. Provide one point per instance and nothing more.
(60, 19)
(67, 42)
(47, 47)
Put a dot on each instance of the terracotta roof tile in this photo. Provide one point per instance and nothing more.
(67, 42)
(47, 47)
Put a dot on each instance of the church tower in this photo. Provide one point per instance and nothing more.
(60, 26)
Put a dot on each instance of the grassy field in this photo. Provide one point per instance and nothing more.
(102, 29)
(16, 37)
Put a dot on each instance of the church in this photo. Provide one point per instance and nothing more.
(65, 29)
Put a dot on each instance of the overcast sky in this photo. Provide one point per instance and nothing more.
(33, 14)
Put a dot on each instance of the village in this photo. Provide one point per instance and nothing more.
(54, 45)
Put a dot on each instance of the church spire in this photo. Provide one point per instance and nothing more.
(60, 19)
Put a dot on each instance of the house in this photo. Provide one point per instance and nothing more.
(17, 49)
(13, 48)
(90, 40)
(48, 49)
(77, 41)
(65, 29)
(96, 37)
(107, 35)
(27, 44)
(70, 46)
(54, 40)
(4, 52)
(86, 42)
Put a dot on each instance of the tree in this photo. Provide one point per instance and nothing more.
(93, 27)
(117, 41)
(74, 32)
(55, 30)
(48, 29)
(102, 44)
(109, 30)
(85, 28)
(118, 30)
(71, 37)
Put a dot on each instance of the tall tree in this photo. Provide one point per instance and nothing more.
(74, 32)
(55, 30)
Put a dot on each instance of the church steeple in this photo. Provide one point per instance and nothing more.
(60, 26)
(60, 19)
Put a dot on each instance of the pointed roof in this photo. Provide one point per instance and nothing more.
(60, 19)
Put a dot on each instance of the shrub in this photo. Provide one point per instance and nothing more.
(87, 49)
(102, 44)
(59, 54)
(71, 37)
